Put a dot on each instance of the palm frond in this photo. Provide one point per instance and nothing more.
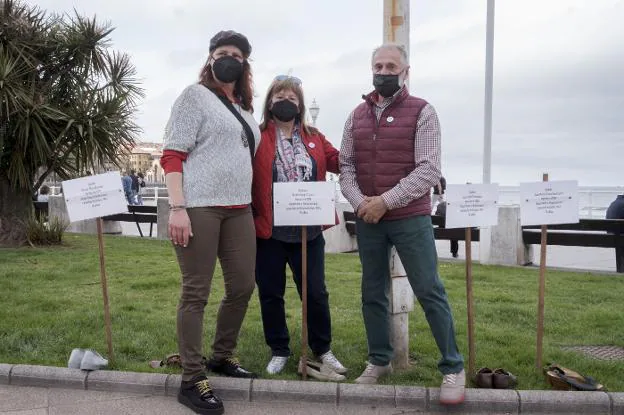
(67, 100)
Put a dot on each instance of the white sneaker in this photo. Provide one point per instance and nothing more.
(330, 360)
(75, 358)
(276, 365)
(453, 388)
(372, 373)
(92, 360)
(320, 371)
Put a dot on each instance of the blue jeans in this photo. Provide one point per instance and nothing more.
(415, 244)
(271, 260)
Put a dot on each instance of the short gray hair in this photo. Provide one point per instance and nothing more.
(392, 45)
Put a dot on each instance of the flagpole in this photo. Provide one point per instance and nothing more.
(489, 84)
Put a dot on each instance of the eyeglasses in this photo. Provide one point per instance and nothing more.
(293, 79)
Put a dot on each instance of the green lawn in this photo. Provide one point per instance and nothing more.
(51, 302)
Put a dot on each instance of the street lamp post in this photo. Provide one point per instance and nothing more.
(314, 111)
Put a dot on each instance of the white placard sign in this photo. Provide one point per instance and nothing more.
(304, 203)
(549, 203)
(471, 205)
(94, 196)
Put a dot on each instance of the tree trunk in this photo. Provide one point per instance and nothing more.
(16, 208)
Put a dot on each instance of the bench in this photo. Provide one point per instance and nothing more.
(594, 233)
(137, 214)
(439, 231)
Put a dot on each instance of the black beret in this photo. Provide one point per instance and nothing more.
(230, 37)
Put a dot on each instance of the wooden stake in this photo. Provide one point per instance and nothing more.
(469, 299)
(107, 319)
(304, 302)
(542, 290)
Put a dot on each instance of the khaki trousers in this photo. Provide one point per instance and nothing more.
(227, 234)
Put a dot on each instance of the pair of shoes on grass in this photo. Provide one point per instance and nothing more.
(495, 379)
(326, 368)
(86, 359)
(562, 378)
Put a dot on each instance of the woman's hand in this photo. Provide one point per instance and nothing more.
(180, 227)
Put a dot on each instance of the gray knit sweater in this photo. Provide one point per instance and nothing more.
(217, 171)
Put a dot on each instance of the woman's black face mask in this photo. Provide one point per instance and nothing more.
(285, 110)
(227, 69)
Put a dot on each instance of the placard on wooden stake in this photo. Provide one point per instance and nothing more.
(546, 203)
(304, 204)
(107, 317)
(468, 206)
(94, 197)
(542, 291)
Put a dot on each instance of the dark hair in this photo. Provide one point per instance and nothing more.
(243, 88)
(286, 85)
(44, 190)
(140, 174)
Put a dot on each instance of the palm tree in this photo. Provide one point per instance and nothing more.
(67, 104)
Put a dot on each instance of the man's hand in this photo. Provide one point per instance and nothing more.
(360, 208)
(372, 209)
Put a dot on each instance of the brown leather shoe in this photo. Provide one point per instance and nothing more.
(483, 378)
(501, 379)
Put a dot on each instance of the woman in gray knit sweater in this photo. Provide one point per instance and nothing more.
(210, 141)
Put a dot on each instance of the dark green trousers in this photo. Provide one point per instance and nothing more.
(415, 244)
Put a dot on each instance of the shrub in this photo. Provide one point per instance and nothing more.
(45, 232)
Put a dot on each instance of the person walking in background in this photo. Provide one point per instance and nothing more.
(44, 194)
(616, 208)
(126, 181)
(291, 151)
(441, 211)
(438, 193)
(141, 181)
(209, 146)
(616, 211)
(134, 187)
(438, 204)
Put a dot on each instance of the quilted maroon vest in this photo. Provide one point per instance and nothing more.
(384, 150)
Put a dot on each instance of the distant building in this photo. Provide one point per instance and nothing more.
(139, 161)
(145, 158)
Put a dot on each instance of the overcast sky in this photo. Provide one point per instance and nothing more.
(558, 75)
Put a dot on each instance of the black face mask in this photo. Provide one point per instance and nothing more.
(386, 85)
(285, 110)
(227, 69)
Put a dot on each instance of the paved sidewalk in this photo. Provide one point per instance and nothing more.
(25, 400)
(557, 257)
(34, 390)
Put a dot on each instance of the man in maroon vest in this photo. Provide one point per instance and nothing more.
(389, 161)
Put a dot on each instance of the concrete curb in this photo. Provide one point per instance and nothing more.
(4, 373)
(416, 399)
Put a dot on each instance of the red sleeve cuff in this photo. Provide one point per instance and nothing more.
(171, 161)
